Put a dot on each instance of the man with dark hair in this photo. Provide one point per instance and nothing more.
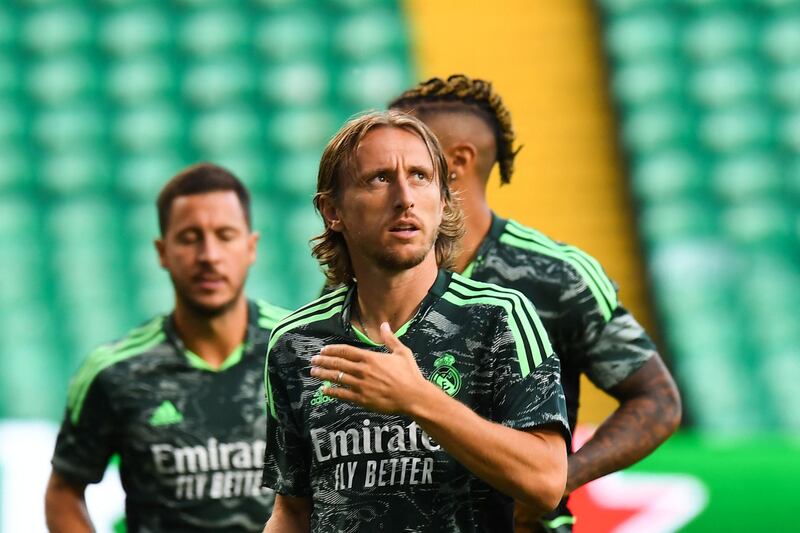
(180, 399)
(432, 400)
(592, 333)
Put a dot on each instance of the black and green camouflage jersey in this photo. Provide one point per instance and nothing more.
(591, 332)
(482, 344)
(190, 438)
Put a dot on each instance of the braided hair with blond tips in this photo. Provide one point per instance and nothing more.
(472, 95)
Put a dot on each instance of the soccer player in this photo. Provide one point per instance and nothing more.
(592, 333)
(411, 399)
(180, 399)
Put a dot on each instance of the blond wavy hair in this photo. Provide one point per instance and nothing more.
(338, 159)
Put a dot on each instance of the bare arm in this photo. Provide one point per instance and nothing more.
(648, 413)
(290, 515)
(65, 507)
(527, 465)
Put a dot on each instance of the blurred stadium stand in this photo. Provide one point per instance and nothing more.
(101, 102)
(708, 93)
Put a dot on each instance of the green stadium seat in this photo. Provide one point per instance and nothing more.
(16, 172)
(9, 75)
(785, 86)
(678, 219)
(663, 175)
(759, 222)
(301, 128)
(148, 127)
(747, 175)
(12, 122)
(141, 177)
(789, 131)
(373, 83)
(250, 166)
(366, 34)
(218, 81)
(296, 173)
(781, 38)
(225, 129)
(733, 128)
(139, 79)
(298, 83)
(57, 28)
(644, 33)
(206, 32)
(719, 34)
(68, 126)
(781, 371)
(642, 81)
(74, 171)
(294, 35)
(657, 125)
(8, 27)
(136, 30)
(726, 83)
(58, 79)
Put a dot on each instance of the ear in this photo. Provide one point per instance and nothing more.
(461, 158)
(162, 254)
(252, 246)
(330, 214)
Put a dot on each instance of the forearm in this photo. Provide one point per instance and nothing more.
(65, 508)
(530, 467)
(289, 515)
(644, 419)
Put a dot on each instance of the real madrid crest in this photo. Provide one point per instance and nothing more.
(446, 377)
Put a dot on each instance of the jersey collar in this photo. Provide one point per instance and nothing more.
(255, 339)
(434, 293)
(496, 229)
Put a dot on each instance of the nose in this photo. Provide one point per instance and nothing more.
(209, 249)
(404, 195)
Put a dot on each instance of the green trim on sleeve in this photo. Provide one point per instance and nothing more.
(269, 315)
(137, 342)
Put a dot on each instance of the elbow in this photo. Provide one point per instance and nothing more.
(672, 409)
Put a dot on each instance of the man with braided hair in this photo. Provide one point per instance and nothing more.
(591, 332)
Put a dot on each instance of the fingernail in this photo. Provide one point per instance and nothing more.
(314, 371)
(315, 360)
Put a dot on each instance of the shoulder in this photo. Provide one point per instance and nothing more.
(521, 324)
(577, 266)
(319, 310)
(269, 315)
(136, 342)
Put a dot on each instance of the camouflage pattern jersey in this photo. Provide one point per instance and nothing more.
(482, 344)
(190, 438)
(591, 332)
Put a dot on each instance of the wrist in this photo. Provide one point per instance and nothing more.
(423, 401)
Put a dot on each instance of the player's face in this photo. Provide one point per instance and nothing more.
(390, 207)
(207, 250)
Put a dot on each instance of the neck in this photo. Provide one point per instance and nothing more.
(212, 338)
(391, 297)
(477, 221)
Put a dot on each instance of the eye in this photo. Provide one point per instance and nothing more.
(421, 176)
(188, 237)
(228, 234)
(379, 178)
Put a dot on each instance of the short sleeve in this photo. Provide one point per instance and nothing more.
(286, 460)
(620, 349)
(528, 394)
(87, 438)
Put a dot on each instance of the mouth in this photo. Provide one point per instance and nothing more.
(208, 281)
(404, 228)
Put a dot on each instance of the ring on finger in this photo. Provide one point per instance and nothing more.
(339, 377)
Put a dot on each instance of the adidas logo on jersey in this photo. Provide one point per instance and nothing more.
(166, 414)
(319, 397)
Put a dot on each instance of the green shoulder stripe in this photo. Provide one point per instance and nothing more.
(317, 311)
(524, 303)
(137, 342)
(531, 345)
(598, 283)
(269, 315)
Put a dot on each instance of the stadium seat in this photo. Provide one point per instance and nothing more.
(56, 28)
(140, 78)
(135, 30)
